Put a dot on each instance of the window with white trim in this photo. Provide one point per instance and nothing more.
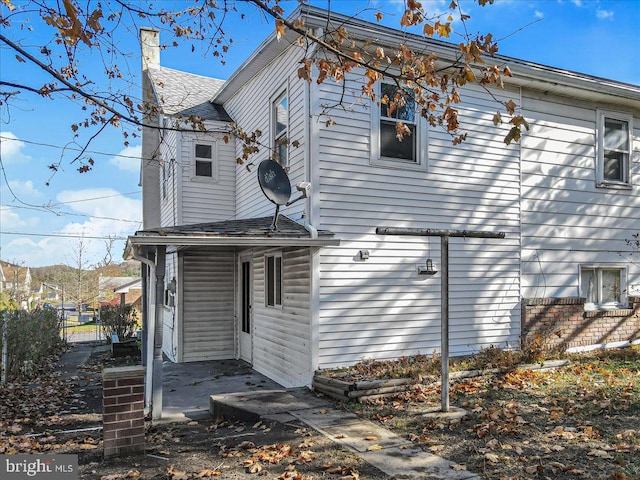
(273, 280)
(603, 287)
(205, 160)
(280, 126)
(613, 148)
(397, 106)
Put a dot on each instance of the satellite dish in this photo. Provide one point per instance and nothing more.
(275, 185)
(274, 182)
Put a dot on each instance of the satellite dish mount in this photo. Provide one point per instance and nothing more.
(275, 185)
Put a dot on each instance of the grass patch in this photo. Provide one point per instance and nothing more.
(82, 328)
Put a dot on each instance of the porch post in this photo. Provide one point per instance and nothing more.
(156, 380)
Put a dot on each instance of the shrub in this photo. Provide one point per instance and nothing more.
(31, 338)
(121, 320)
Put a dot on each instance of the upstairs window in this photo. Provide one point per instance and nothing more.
(204, 160)
(603, 287)
(273, 280)
(397, 106)
(614, 148)
(280, 125)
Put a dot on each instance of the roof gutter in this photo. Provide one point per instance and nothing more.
(203, 241)
(526, 74)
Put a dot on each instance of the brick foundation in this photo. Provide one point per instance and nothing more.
(563, 323)
(123, 410)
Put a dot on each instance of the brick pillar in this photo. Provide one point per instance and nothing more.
(123, 410)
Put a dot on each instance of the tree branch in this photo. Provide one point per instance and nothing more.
(69, 85)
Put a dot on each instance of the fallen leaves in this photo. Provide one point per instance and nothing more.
(118, 476)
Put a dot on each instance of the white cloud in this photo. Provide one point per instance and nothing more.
(31, 253)
(128, 159)
(108, 214)
(102, 202)
(604, 14)
(10, 219)
(11, 148)
(25, 190)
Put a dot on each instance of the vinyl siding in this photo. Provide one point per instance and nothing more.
(208, 304)
(169, 181)
(281, 336)
(380, 308)
(251, 108)
(204, 199)
(566, 220)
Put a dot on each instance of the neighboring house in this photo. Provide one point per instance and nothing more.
(45, 293)
(119, 291)
(324, 290)
(15, 281)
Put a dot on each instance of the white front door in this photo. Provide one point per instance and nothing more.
(245, 308)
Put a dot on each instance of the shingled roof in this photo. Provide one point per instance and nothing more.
(246, 232)
(250, 227)
(186, 94)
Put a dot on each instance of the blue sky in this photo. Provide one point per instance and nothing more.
(42, 216)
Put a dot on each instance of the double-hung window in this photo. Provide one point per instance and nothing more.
(613, 149)
(280, 126)
(603, 287)
(273, 280)
(398, 136)
(205, 161)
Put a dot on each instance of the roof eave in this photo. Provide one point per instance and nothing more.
(213, 241)
(526, 74)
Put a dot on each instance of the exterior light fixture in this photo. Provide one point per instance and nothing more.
(428, 269)
(364, 254)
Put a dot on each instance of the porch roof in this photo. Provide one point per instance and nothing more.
(247, 232)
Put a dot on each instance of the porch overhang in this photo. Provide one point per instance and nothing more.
(252, 232)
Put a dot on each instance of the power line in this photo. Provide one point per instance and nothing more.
(68, 214)
(97, 198)
(71, 148)
(64, 235)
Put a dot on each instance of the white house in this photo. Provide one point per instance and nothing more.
(324, 289)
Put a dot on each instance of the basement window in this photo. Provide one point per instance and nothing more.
(603, 287)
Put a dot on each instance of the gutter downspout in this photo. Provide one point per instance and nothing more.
(150, 325)
(309, 217)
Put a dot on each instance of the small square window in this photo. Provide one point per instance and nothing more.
(203, 169)
(273, 280)
(203, 151)
(603, 287)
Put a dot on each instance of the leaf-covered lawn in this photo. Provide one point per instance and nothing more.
(44, 413)
(579, 421)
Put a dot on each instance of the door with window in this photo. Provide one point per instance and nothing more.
(245, 308)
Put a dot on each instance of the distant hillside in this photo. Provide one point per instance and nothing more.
(50, 273)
